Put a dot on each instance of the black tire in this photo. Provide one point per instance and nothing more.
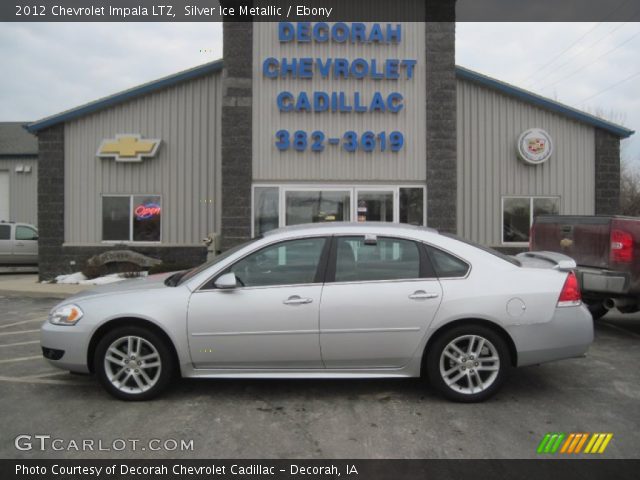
(458, 392)
(597, 310)
(162, 376)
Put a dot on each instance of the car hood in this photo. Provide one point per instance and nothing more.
(151, 282)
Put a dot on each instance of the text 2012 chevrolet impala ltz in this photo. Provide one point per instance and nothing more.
(334, 300)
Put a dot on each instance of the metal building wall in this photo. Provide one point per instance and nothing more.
(489, 124)
(335, 164)
(185, 171)
(23, 189)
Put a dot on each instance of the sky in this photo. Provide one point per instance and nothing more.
(56, 66)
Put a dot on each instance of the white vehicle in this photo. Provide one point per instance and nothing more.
(333, 300)
(18, 244)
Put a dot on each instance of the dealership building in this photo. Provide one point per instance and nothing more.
(315, 122)
(18, 174)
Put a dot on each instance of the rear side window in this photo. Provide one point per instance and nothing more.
(447, 265)
(387, 259)
(5, 232)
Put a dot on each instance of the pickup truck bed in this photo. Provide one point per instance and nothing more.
(607, 253)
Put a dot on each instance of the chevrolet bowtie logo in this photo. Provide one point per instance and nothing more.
(128, 148)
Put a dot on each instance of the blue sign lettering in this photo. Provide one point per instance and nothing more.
(340, 32)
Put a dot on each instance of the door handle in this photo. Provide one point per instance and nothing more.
(19, 244)
(422, 295)
(297, 300)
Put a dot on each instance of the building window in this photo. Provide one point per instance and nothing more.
(412, 206)
(518, 214)
(277, 206)
(131, 218)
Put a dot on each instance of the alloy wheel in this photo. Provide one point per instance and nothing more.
(469, 364)
(132, 364)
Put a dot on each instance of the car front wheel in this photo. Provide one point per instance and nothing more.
(468, 363)
(133, 363)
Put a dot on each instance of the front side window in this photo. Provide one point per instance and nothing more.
(518, 214)
(359, 260)
(26, 233)
(131, 218)
(292, 262)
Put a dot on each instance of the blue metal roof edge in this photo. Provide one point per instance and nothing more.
(216, 66)
(125, 95)
(543, 102)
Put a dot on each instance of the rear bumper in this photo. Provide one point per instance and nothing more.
(606, 282)
(569, 334)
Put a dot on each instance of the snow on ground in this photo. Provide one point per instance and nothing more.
(79, 278)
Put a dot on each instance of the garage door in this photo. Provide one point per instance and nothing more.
(4, 195)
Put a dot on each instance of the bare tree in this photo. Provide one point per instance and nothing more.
(629, 189)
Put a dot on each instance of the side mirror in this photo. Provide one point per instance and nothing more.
(226, 281)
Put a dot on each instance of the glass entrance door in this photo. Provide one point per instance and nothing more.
(374, 206)
(281, 205)
(313, 206)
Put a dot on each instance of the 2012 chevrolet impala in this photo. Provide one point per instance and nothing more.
(333, 300)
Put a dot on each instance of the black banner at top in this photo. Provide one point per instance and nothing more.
(319, 10)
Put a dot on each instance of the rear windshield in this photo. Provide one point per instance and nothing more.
(502, 256)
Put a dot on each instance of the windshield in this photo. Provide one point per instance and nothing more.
(181, 277)
(496, 253)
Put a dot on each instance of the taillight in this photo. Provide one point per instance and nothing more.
(621, 246)
(570, 294)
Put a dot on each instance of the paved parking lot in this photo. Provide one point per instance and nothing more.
(319, 419)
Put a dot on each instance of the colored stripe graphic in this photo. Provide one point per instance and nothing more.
(573, 443)
(598, 443)
(551, 442)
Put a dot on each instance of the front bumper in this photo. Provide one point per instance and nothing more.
(569, 334)
(73, 341)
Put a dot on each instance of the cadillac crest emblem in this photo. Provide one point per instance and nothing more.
(535, 146)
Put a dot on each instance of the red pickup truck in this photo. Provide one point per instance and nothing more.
(607, 252)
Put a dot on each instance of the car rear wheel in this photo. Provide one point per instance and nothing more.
(468, 363)
(133, 363)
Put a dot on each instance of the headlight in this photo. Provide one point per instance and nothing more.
(65, 315)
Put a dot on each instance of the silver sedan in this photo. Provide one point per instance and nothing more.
(329, 301)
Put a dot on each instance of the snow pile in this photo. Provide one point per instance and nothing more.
(78, 278)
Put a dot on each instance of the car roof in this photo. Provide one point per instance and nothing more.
(340, 227)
